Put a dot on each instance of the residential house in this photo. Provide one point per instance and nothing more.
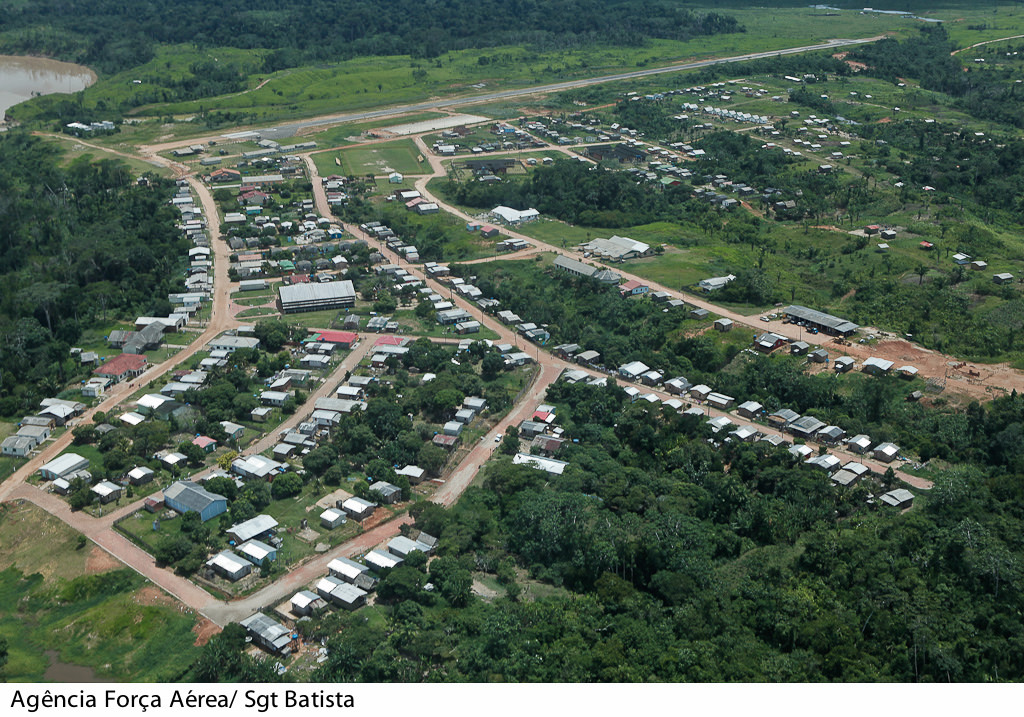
(269, 634)
(900, 498)
(258, 528)
(876, 366)
(768, 342)
(750, 409)
(140, 475)
(632, 370)
(230, 566)
(332, 518)
(720, 400)
(859, 444)
(17, 446)
(257, 552)
(678, 385)
(381, 561)
(307, 604)
(634, 287)
(106, 491)
(341, 593)
(886, 452)
(402, 546)
(347, 570)
(830, 434)
(184, 496)
(122, 367)
(64, 466)
(386, 493)
(358, 508)
(806, 427)
(256, 466)
(783, 418)
(843, 364)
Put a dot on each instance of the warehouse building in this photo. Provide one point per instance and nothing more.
(298, 298)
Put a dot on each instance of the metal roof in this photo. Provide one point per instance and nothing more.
(191, 496)
(345, 568)
(820, 318)
(380, 559)
(269, 630)
(257, 551)
(229, 562)
(249, 529)
(297, 293)
(65, 464)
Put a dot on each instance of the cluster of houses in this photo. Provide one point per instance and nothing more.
(804, 428)
(722, 113)
(346, 586)
(451, 432)
(33, 430)
(66, 468)
(306, 229)
(962, 259)
(148, 332)
(254, 544)
(77, 128)
(384, 233)
(546, 439)
(414, 202)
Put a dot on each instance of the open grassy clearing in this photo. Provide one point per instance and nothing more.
(57, 596)
(398, 156)
(366, 82)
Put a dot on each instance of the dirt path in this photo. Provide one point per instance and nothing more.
(986, 42)
(992, 381)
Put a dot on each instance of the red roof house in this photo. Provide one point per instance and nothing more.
(205, 442)
(121, 367)
(344, 339)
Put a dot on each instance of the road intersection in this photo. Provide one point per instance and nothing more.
(101, 530)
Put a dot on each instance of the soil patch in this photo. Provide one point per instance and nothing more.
(100, 561)
(204, 630)
(152, 595)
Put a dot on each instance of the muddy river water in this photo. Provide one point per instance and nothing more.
(24, 77)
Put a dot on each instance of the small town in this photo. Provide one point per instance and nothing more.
(695, 371)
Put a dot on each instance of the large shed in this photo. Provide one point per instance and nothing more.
(184, 496)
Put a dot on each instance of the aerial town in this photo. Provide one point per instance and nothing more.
(720, 353)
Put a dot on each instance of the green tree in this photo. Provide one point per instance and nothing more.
(285, 485)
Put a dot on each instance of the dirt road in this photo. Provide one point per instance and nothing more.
(992, 379)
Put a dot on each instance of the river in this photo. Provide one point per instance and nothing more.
(22, 78)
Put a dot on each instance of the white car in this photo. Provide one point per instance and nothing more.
(497, 438)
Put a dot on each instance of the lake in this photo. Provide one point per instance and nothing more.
(22, 78)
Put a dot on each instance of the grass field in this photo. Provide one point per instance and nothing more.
(398, 156)
(366, 82)
(55, 596)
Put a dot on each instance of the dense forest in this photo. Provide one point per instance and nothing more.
(626, 329)
(303, 31)
(80, 245)
(655, 556)
(587, 195)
